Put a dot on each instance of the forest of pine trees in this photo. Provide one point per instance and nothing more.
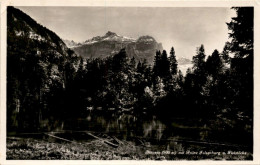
(218, 87)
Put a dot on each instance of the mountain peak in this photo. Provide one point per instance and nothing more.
(109, 36)
(146, 39)
(109, 33)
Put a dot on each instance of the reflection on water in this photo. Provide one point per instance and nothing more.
(124, 125)
(176, 134)
(153, 129)
(127, 126)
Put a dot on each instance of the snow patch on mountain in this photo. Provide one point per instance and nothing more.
(109, 36)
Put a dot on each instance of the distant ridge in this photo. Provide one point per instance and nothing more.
(109, 44)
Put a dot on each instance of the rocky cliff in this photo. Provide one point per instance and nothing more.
(103, 46)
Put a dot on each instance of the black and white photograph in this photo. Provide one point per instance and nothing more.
(130, 83)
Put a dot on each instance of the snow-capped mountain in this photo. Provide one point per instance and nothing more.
(109, 36)
(111, 43)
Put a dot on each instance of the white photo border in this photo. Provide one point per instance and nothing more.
(131, 3)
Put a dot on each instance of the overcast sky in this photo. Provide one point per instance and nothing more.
(183, 28)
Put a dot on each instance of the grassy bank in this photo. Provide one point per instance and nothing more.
(98, 149)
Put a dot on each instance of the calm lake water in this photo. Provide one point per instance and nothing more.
(128, 127)
(176, 133)
(124, 126)
(154, 130)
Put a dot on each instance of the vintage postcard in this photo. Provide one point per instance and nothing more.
(129, 82)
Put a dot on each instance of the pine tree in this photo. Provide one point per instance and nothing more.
(139, 67)
(199, 65)
(173, 62)
(242, 34)
(199, 60)
(242, 65)
(214, 64)
(132, 63)
(225, 53)
(157, 63)
(120, 61)
(164, 66)
(144, 64)
(195, 81)
(80, 71)
(180, 78)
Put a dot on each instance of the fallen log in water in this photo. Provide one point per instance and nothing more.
(14, 138)
(90, 134)
(117, 140)
(103, 140)
(60, 138)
